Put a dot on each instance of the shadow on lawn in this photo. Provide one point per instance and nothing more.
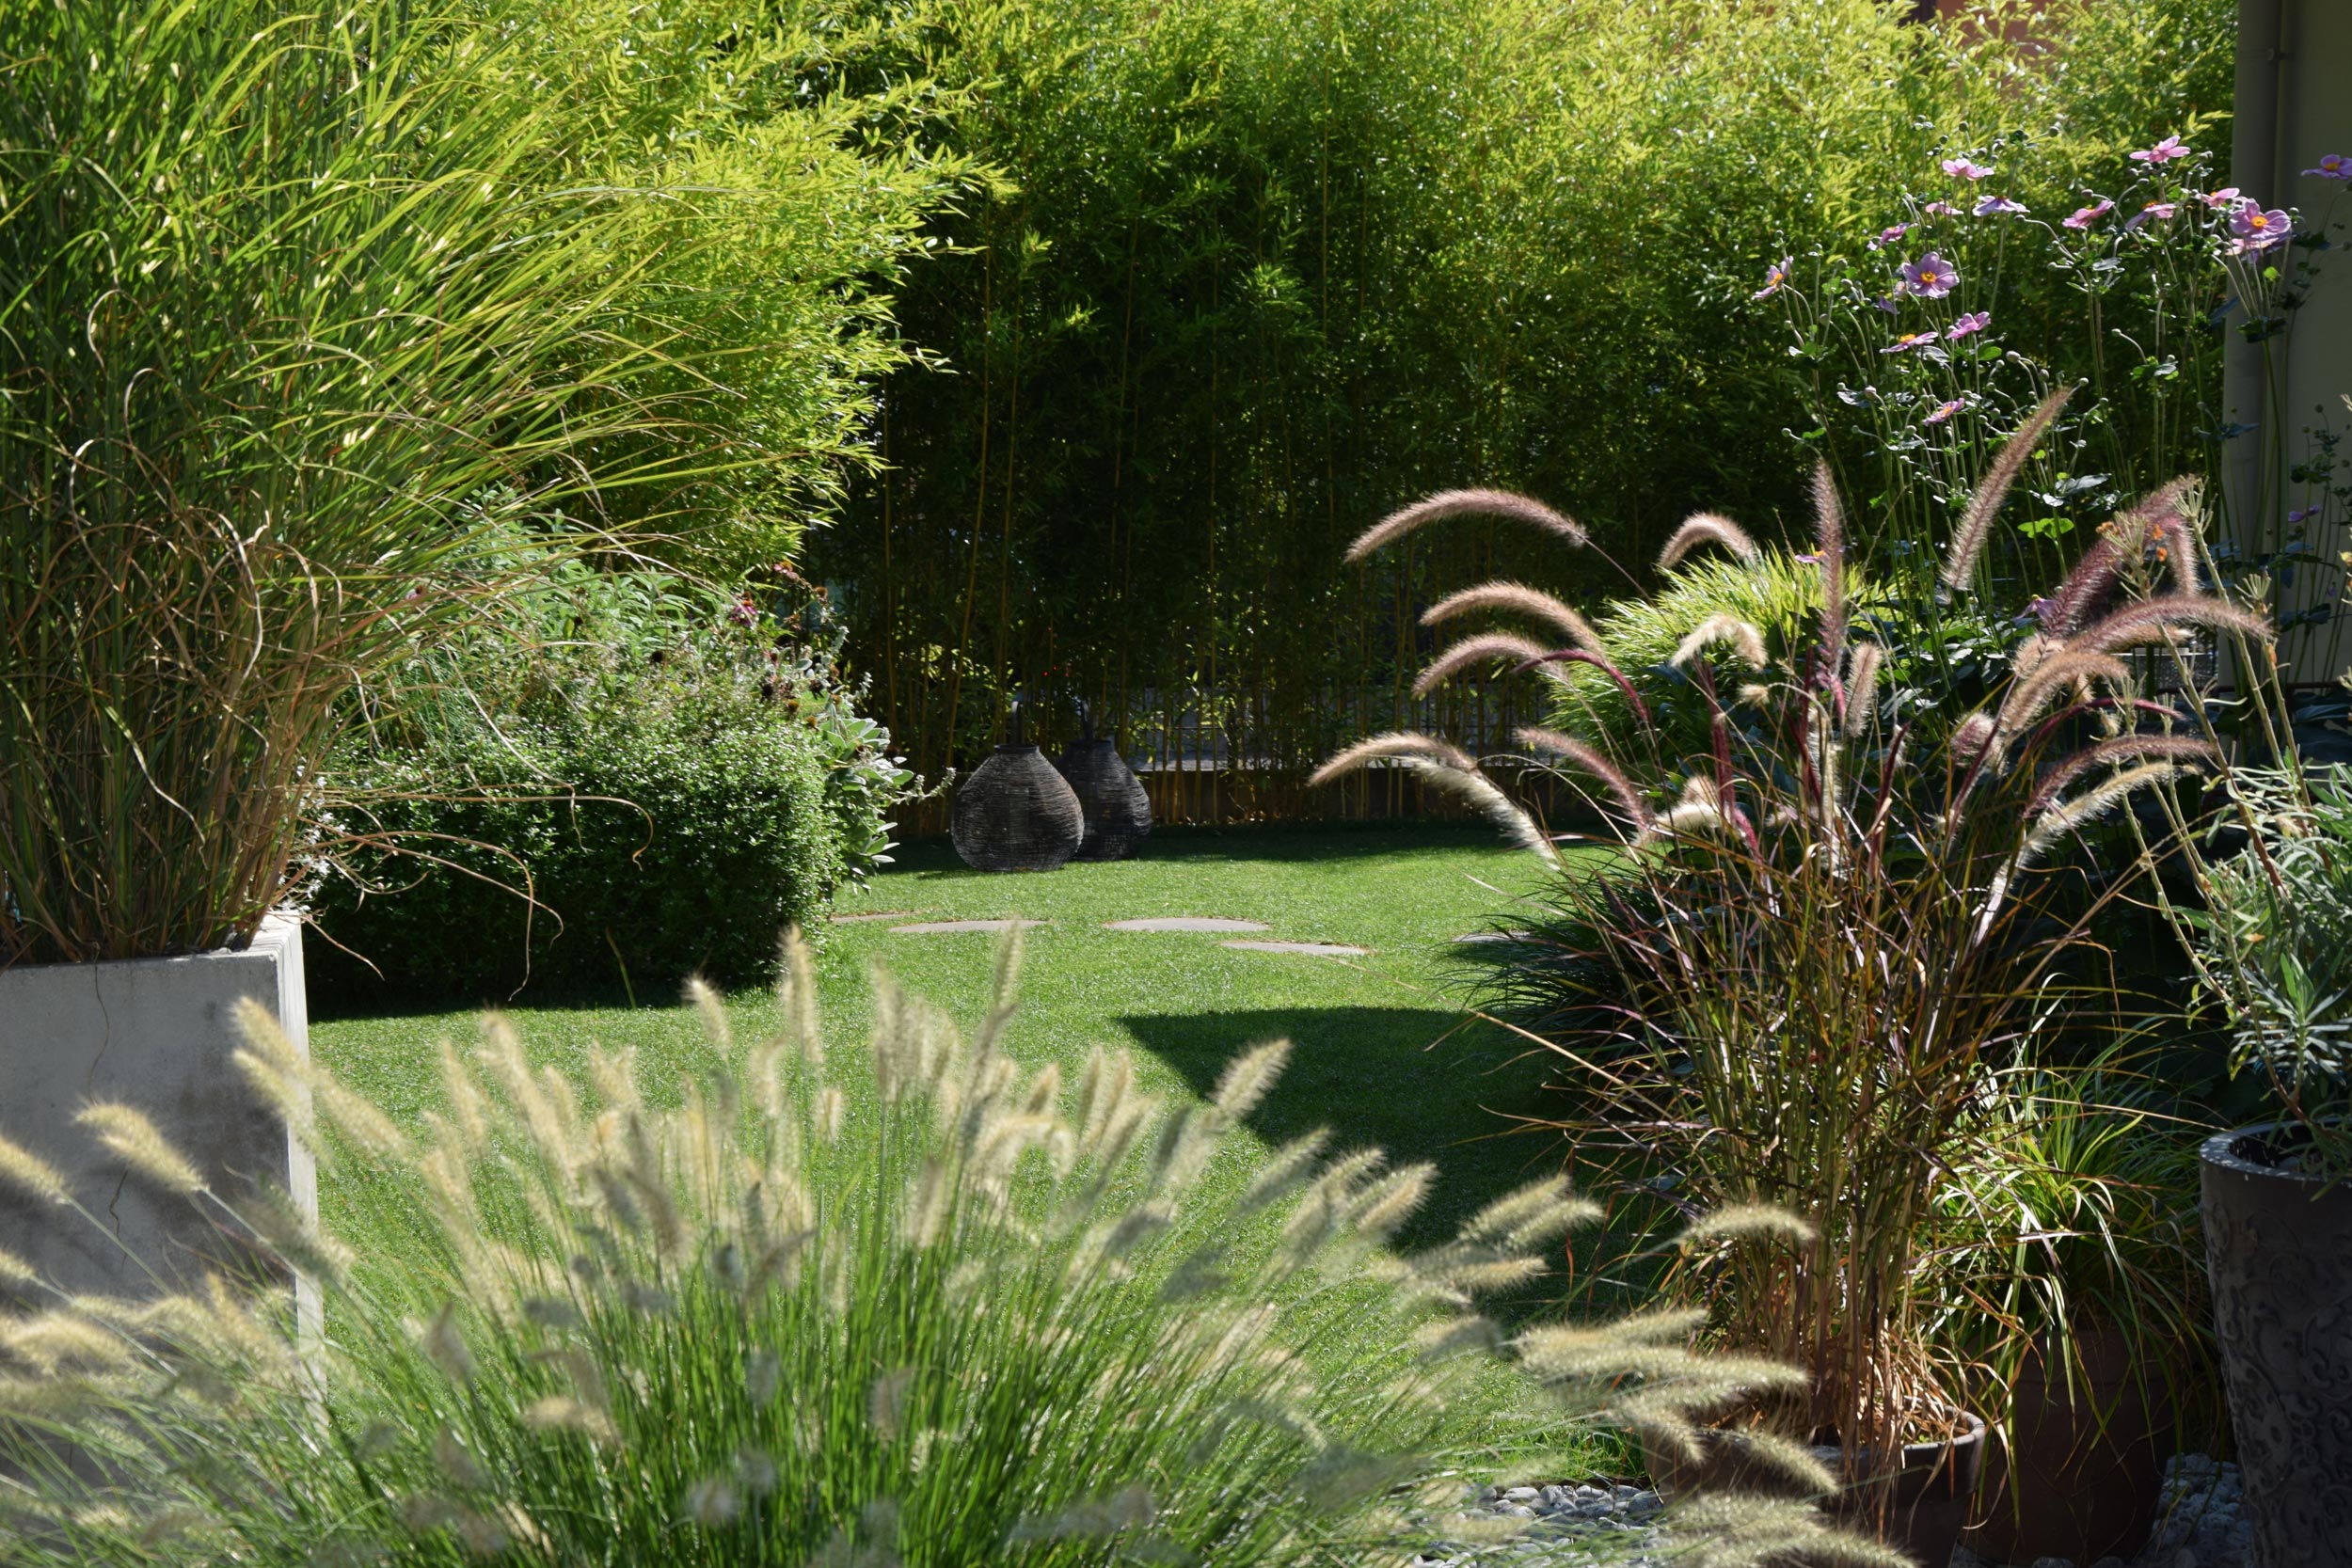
(1419, 1083)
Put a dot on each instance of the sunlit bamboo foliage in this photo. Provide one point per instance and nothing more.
(1272, 266)
(923, 1307)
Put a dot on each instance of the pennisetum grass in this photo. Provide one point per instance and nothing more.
(920, 1307)
(1830, 934)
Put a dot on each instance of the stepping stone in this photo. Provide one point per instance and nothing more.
(944, 927)
(1318, 949)
(1184, 923)
(875, 914)
(1496, 936)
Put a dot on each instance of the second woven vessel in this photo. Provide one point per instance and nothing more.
(1117, 811)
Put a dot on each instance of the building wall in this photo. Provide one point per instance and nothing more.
(2293, 103)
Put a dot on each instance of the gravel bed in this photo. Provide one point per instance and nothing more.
(2199, 1525)
(1568, 1525)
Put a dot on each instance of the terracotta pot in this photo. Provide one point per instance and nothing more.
(2279, 1252)
(2078, 1474)
(1933, 1492)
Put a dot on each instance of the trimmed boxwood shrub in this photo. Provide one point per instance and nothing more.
(608, 816)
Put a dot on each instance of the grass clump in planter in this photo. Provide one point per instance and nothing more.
(924, 1308)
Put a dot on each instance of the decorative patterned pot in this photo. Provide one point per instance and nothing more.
(1117, 812)
(1929, 1504)
(2279, 1252)
(1016, 814)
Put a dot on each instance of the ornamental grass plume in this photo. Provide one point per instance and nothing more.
(923, 1307)
(1831, 932)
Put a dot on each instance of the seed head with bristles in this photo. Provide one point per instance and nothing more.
(1740, 1222)
(1829, 529)
(1247, 1079)
(1395, 743)
(1455, 504)
(1518, 599)
(1976, 523)
(30, 1174)
(131, 1137)
(2060, 672)
(2177, 749)
(1741, 636)
(1594, 761)
(1707, 528)
(2156, 620)
(1862, 663)
(1493, 647)
(1481, 792)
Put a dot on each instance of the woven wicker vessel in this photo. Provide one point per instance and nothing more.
(1016, 814)
(1117, 812)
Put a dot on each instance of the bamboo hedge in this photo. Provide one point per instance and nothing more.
(1255, 270)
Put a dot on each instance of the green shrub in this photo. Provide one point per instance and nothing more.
(928, 1308)
(633, 789)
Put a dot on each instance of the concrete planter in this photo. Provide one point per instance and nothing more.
(155, 1033)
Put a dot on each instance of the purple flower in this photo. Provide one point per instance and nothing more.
(1945, 411)
(2163, 152)
(2257, 230)
(2333, 165)
(1968, 324)
(2302, 514)
(2222, 199)
(1775, 277)
(1960, 169)
(1998, 206)
(2083, 218)
(1888, 235)
(1931, 276)
(1888, 303)
(2153, 213)
(1940, 210)
(1908, 340)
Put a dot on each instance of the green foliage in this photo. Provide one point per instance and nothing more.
(2074, 1216)
(1268, 268)
(1778, 595)
(288, 290)
(2273, 944)
(619, 784)
(924, 1308)
(1835, 932)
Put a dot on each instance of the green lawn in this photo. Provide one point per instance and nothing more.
(1383, 1052)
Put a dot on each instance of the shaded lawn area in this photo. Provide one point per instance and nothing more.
(1382, 1053)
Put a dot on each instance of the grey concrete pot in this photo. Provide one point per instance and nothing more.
(157, 1035)
(2278, 1253)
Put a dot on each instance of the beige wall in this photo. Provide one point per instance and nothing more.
(2293, 103)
